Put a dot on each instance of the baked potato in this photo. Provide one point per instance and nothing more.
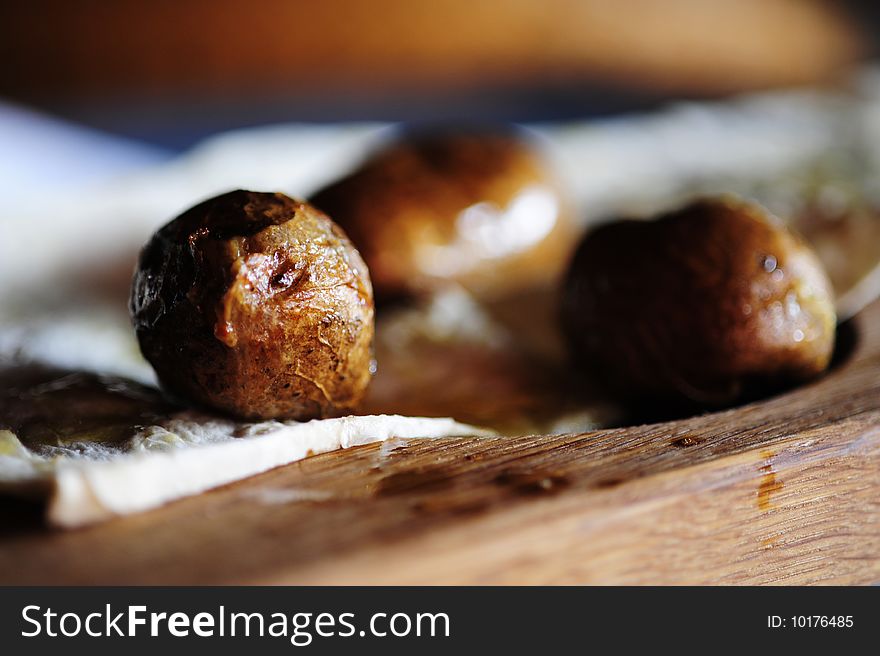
(704, 306)
(479, 208)
(257, 305)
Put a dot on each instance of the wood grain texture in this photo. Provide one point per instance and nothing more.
(784, 491)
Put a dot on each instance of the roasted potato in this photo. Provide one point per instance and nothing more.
(477, 208)
(257, 305)
(702, 306)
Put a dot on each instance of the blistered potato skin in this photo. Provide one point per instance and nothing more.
(701, 306)
(479, 208)
(257, 305)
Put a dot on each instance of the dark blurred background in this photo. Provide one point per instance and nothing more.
(170, 72)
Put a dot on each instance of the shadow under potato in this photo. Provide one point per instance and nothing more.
(650, 411)
(51, 407)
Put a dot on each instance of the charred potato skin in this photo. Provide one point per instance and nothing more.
(406, 202)
(257, 305)
(705, 306)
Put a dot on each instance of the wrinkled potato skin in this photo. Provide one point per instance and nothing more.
(694, 308)
(406, 201)
(257, 305)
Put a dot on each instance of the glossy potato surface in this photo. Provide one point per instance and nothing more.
(257, 305)
(478, 208)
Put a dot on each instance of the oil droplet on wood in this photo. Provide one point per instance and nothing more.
(768, 485)
(686, 441)
(608, 483)
(417, 480)
(532, 482)
(451, 505)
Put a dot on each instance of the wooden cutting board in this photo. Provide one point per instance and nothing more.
(782, 491)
